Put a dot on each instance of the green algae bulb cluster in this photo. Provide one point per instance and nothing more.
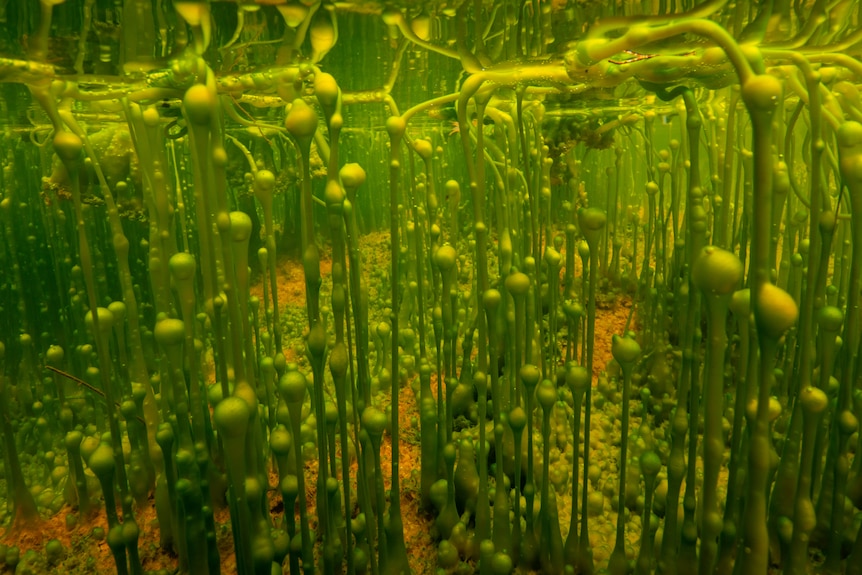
(492, 286)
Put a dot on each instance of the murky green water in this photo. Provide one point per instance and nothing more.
(497, 287)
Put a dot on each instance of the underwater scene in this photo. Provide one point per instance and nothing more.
(445, 287)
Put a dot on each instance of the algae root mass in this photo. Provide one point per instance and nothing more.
(304, 286)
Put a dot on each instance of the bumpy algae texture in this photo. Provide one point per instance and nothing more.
(444, 287)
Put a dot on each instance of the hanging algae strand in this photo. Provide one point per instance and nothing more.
(474, 194)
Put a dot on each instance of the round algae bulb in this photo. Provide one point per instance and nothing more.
(199, 104)
(518, 283)
(626, 350)
(102, 460)
(73, 440)
(118, 310)
(54, 355)
(592, 219)
(383, 330)
(595, 504)
(105, 317)
(150, 117)
(240, 226)
(423, 148)
(264, 181)
(316, 340)
(847, 422)
(547, 394)
(169, 331)
(292, 386)
(774, 408)
(395, 125)
(373, 421)
(717, 271)
(530, 375)
(452, 189)
(740, 303)
(54, 551)
(67, 145)
(761, 92)
(849, 134)
(830, 318)
(338, 360)
(814, 400)
(293, 14)
(777, 310)
(573, 309)
(333, 194)
(491, 299)
(182, 266)
(326, 89)
(517, 419)
(219, 156)
(552, 257)
(578, 378)
(352, 175)
(827, 222)
(421, 26)
(445, 257)
(231, 417)
(322, 33)
(650, 463)
(501, 564)
(447, 555)
(301, 120)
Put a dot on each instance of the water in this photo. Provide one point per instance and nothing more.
(556, 287)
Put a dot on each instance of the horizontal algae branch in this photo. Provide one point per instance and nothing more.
(303, 286)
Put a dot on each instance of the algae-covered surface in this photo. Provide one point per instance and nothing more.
(85, 547)
(451, 287)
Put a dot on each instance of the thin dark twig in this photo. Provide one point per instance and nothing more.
(83, 383)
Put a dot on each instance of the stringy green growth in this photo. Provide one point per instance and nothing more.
(580, 287)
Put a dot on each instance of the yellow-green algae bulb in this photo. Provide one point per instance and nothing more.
(813, 400)
(547, 394)
(102, 460)
(106, 319)
(231, 417)
(292, 386)
(518, 283)
(423, 148)
(491, 299)
(445, 257)
(552, 257)
(326, 89)
(517, 419)
(182, 266)
(626, 350)
(373, 421)
(240, 226)
(761, 92)
(301, 120)
(199, 104)
(830, 318)
(777, 310)
(67, 145)
(578, 379)
(717, 271)
(352, 175)
(264, 182)
(592, 219)
(169, 332)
